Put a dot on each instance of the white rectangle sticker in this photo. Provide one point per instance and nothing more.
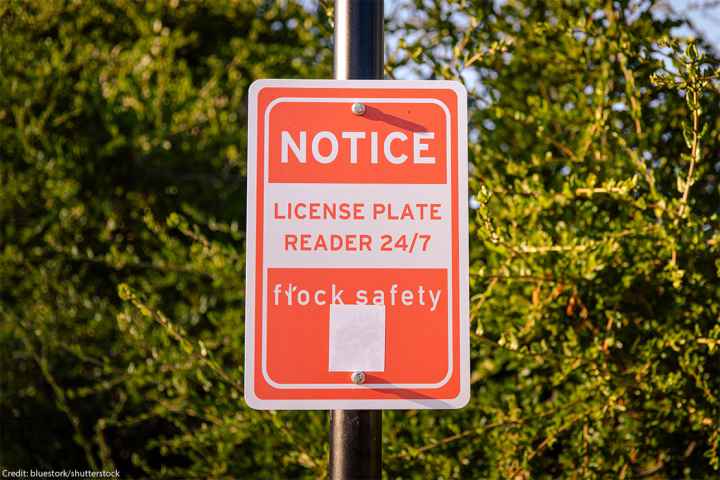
(357, 338)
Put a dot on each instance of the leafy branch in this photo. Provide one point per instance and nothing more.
(692, 79)
(198, 352)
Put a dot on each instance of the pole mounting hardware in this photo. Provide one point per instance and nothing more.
(358, 108)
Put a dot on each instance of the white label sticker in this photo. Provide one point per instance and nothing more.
(357, 338)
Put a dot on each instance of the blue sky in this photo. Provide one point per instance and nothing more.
(707, 20)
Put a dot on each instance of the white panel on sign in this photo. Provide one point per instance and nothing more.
(357, 338)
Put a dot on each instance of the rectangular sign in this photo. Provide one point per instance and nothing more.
(357, 245)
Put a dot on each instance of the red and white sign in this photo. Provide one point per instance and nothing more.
(357, 245)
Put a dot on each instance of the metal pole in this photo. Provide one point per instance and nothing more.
(356, 435)
(355, 444)
(359, 39)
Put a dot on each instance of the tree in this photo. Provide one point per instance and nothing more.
(595, 247)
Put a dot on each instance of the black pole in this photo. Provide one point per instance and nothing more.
(355, 444)
(356, 435)
(359, 33)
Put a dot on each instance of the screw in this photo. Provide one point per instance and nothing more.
(358, 109)
(358, 377)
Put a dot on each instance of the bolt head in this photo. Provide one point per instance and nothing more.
(358, 378)
(358, 108)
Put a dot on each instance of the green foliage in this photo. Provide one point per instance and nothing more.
(595, 241)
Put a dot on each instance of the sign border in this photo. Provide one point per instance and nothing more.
(250, 287)
(448, 173)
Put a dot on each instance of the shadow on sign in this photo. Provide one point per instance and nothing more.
(377, 115)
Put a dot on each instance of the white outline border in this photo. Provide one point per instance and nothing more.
(448, 184)
(463, 294)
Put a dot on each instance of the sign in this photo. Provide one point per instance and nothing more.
(357, 245)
